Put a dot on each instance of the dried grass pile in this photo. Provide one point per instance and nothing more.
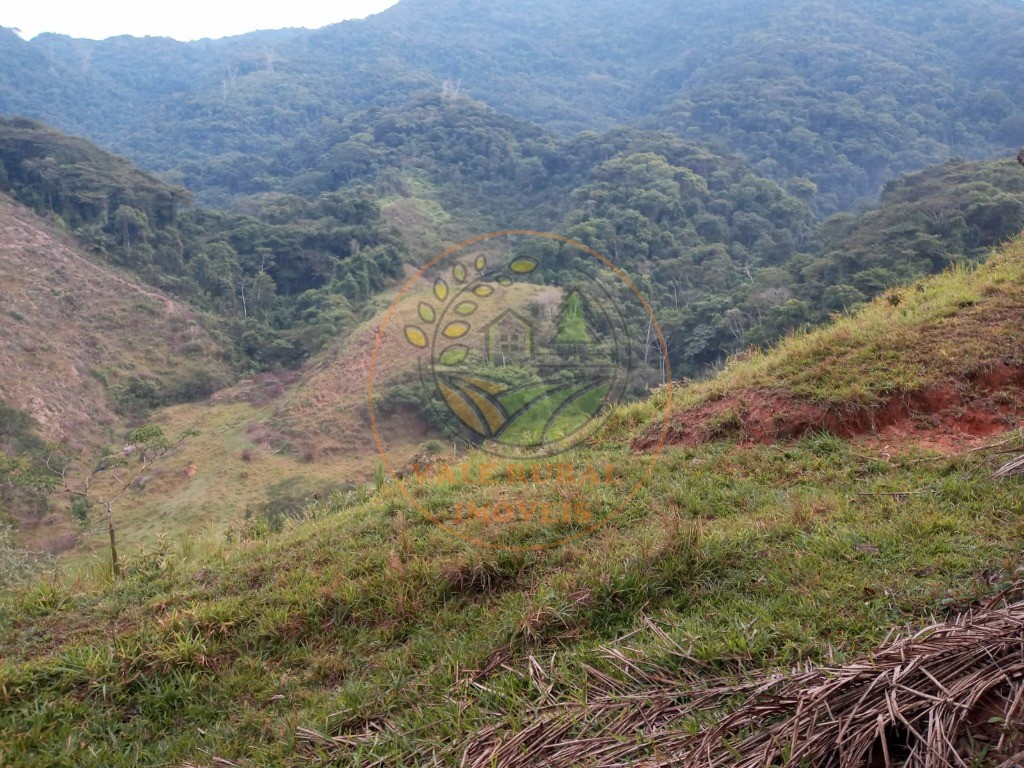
(951, 694)
(1011, 468)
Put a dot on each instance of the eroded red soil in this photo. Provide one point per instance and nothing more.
(949, 418)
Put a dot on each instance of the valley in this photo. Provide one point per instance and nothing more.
(517, 384)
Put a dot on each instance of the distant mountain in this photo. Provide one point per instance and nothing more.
(848, 95)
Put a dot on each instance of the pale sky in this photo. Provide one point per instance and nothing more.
(180, 19)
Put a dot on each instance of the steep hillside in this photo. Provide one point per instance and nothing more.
(372, 634)
(80, 342)
(847, 96)
(939, 362)
(273, 442)
(116, 210)
(281, 278)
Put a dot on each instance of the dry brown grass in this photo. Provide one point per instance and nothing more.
(327, 405)
(67, 321)
(951, 694)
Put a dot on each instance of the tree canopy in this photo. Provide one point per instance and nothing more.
(846, 95)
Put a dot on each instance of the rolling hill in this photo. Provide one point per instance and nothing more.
(369, 635)
(78, 335)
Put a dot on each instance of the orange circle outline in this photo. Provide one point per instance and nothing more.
(380, 337)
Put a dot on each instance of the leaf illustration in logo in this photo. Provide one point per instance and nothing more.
(480, 263)
(459, 273)
(477, 409)
(504, 281)
(416, 337)
(426, 312)
(523, 266)
(483, 291)
(490, 386)
(454, 355)
(463, 408)
(465, 308)
(456, 330)
(441, 289)
(489, 408)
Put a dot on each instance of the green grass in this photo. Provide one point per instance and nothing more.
(941, 329)
(369, 614)
(398, 639)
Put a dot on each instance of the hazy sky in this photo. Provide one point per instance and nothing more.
(180, 19)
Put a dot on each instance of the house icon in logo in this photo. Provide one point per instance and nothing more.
(508, 338)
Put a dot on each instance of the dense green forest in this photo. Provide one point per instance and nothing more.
(923, 221)
(847, 96)
(728, 257)
(279, 283)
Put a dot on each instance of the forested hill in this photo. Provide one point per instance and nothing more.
(728, 257)
(847, 95)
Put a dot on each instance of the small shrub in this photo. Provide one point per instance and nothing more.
(80, 507)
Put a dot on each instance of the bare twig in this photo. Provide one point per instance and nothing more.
(1011, 468)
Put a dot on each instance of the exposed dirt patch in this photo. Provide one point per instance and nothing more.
(949, 418)
(259, 390)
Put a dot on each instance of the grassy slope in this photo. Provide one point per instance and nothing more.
(944, 329)
(328, 405)
(69, 324)
(72, 329)
(288, 435)
(396, 641)
(940, 363)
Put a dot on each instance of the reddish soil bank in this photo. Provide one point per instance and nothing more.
(949, 418)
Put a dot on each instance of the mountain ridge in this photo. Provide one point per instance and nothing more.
(540, 62)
